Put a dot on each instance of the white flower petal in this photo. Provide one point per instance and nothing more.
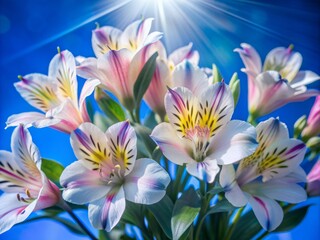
(62, 69)
(106, 212)
(105, 39)
(13, 211)
(174, 148)
(268, 212)
(90, 145)
(147, 182)
(82, 185)
(206, 170)
(184, 53)
(189, 76)
(26, 118)
(234, 142)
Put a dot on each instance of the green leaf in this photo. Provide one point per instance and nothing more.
(143, 81)
(221, 206)
(217, 77)
(52, 169)
(90, 109)
(110, 107)
(216, 190)
(143, 134)
(185, 210)
(150, 120)
(162, 211)
(247, 227)
(133, 214)
(292, 219)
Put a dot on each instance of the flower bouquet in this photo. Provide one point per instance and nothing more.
(187, 170)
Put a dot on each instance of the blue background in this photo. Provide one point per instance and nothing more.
(31, 30)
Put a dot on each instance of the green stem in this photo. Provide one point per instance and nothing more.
(234, 223)
(178, 180)
(68, 209)
(202, 215)
(252, 119)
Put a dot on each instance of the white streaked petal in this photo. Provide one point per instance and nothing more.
(147, 182)
(13, 211)
(271, 131)
(106, 212)
(190, 76)
(86, 91)
(123, 145)
(216, 107)
(90, 145)
(231, 188)
(62, 69)
(11, 180)
(39, 91)
(268, 212)
(234, 142)
(26, 118)
(279, 190)
(177, 150)
(206, 170)
(182, 109)
(82, 185)
(105, 39)
(281, 158)
(27, 155)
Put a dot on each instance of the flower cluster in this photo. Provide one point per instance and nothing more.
(162, 176)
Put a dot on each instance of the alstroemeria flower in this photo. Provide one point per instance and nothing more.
(26, 188)
(107, 173)
(278, 82)
(200, 133)
(313, 180)
(134, 37)
(163, 75)
(313, 123)
(271, 173)
(55, 95)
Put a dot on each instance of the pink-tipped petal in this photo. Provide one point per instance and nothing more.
(105, 39)
(26, 118)
(184, 53)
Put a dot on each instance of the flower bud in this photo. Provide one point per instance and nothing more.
(313, 180)
(299, 125)
(234, 85)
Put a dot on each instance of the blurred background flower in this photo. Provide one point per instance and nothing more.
(30, 32)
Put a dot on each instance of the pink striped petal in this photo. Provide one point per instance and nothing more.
(115, 65)
(106, 212)
(267, 211)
